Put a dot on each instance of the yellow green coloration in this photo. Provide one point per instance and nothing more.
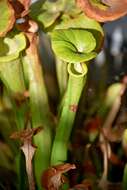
(11, 46)
(6, 17)
(98, 3)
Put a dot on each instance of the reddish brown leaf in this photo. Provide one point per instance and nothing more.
(26, 5)
(114, 9)
(73, 108)
(93, 125)
(20, 98)
(52, 178)
(113, 135)
(114, 159)
(33, 44)
(21, 7)
(26, 134)
(28, 26)
(18, 8)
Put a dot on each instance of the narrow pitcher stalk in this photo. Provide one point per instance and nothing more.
(75, 86)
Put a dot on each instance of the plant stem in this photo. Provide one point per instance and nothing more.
(104, 148)
(75, 85)
(11, 74)
(39, 108)
(62, 75)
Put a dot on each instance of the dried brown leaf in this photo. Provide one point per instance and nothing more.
(26, 5)
(20, 98)
(29, 150)
(32, 50)
(114, 159)
(28, 26)
(113, 135)
(52, 178)
(113, 9)
(26, 134)
(21, 7)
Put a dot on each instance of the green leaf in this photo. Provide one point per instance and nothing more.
(11, 46)
(48, 18)
(7, 17)
(11, 73)
(12, 76)
(73, 45)
(81, 21)
(112, 93)
(49, 11)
